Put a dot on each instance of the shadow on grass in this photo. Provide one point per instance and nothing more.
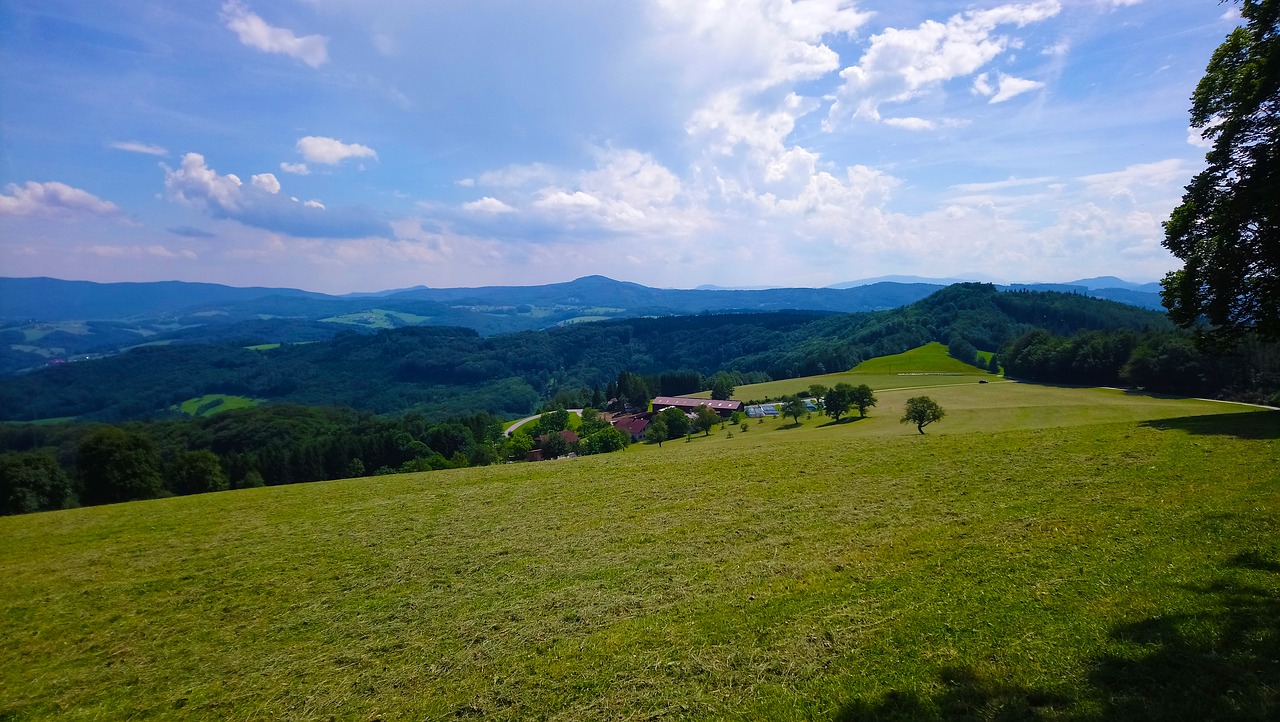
(845, 420)
(1244, 425)
(1221, 663)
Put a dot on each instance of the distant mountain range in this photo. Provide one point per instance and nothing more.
(51, 299)
(43, 320)
(1091, 284)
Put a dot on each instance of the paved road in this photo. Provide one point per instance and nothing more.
(527, 419)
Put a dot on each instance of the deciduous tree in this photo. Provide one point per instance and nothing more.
(838, 401)
(705, 420)
(922, 411)
(1227, 230)
(862, 397)
(117, 466)
(197, 472)
(792, 406)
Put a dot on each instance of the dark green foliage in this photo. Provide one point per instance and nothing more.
(116, 465)
(792, 406)
(656, 431)
(705, 420)
(677, 423)
(1167, 362)
(838, 400)
(1227, 230)
(1164, 361)
(268, 445)
(553, 422)
(33, 481)
(197, 472)
(603, 441)
(922, 411)
(962, 350)
(722, 387)
(862, 397)
(448, 371)
(993, 364)
(554, 445)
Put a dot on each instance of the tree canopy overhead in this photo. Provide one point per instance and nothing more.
(1227, 230)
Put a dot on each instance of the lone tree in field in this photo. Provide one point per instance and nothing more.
(792, 406)
(838, 400)
(705, 419)
(656, 430)
(922, 411)
(1227, 230)
(862, 397)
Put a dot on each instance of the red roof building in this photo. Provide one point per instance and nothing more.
(724, 408)
(633, 425)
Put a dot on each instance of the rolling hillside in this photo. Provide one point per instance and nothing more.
(1041, 553)
(444, 371)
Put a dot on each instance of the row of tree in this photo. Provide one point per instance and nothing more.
(1161, 361)
(60, 466)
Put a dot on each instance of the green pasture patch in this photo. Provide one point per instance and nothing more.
(51, 421)
(583, 319)
(39, 350)
(1114, 569)
(264, 347)
(211, 404)
(923, 367)
(378, 318)
(930, 358)
(778, 389)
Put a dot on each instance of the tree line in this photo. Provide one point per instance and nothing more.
(1165, 360)
(443, 372)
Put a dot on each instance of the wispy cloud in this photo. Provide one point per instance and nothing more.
(134, 146)
(256, 33)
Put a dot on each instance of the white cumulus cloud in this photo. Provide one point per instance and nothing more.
(295, 168)
(266, 181)
(331, 151)
(259, 204)
(52, 200)
(901, 64)
(488, 204)
(256, 33)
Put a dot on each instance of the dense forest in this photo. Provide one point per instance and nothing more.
(428, 398)
(44, 467)
(444, 371)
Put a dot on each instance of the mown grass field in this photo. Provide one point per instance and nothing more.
(1041, 553)
(925, 366)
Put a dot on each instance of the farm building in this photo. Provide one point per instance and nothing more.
(632, 425)
(724, 408)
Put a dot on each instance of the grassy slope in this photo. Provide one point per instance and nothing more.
(885, 372)
(1113, 567)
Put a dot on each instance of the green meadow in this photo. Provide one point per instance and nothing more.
(923, 367)
(378, 318)
(211, 404)
(1040, 553)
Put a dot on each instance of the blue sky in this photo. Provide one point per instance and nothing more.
(358, 145)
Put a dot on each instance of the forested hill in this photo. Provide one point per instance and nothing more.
(446, 371)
